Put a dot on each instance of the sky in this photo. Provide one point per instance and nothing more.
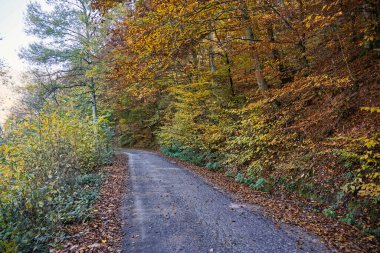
(13, 38)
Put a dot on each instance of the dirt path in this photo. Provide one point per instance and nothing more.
(170, 209)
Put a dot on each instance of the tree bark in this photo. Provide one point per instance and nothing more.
(251, 38)
(93, 100)
(302, 41)
(196, 66)
(230, 80)
(211, 52)
(285, 76)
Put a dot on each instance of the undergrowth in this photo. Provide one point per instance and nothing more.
(31, 221)
(204, 159)
(345, 181)
(49, 166)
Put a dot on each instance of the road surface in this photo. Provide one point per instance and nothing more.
(169, 209)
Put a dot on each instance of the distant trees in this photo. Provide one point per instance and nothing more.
(4, 74)
(5, 79)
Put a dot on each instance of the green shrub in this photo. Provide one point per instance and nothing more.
(213, 166)
(239, 178)
(349, 218)
(260, 185)
(92, 179)
(328, 212)
(375, 232)
(243, 180)
(8, 247)
(204, 159)
(48, 175)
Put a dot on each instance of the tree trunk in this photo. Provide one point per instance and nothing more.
(230, 80)
(302, 41)
(286, 75)
(251, 38)
(195, 75)
(93, 100)
(211, 52)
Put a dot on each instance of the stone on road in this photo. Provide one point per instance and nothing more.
(169, 209)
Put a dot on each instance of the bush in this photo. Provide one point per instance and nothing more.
(375, 232)
(48, 164)
(195, 157)
(349, 218)
(243, 180)
(213, 166)
(364, 165)
(328, 212)
(260, 185)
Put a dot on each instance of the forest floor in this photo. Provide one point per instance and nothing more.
(102, 232)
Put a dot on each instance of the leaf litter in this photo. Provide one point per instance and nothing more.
(103, 231)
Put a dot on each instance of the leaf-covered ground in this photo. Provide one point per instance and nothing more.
(339, 236)
(102, 233)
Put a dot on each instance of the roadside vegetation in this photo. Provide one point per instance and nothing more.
(57, 140)
(49, 175)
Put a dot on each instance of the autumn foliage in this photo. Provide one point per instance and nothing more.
(268, 91)
(49, 177)
(281, 96)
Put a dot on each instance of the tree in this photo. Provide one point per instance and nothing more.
(65, 56)
(4, 73)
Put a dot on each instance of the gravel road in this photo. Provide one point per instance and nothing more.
(169, 209)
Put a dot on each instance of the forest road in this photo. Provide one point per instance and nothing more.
(169, 209)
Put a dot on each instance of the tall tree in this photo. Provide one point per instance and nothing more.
(65, 55)
(4, 73)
